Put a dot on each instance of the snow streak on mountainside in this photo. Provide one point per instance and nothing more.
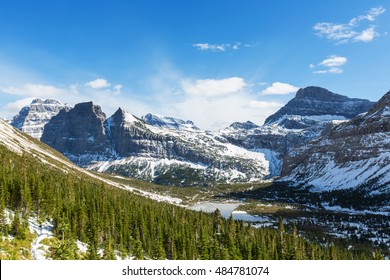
(350, 155)
(32, 119)
(311, 112)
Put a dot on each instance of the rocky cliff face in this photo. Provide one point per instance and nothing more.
(126, 145)
(311, 112)
(32, 119)
(312, 105)
(79, 133)
(350, 155)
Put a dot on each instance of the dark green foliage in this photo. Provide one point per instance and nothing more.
(113, 219)
(65, 250)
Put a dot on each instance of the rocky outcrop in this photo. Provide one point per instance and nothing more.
(78, 133)
(243, 125)
(350, 155)
(314, 104)
(32, 119)
(168, 122)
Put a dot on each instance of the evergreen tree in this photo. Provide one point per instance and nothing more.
(281, 239)
(65, 250)
(108, 253)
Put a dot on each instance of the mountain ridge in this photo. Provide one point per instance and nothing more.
(317, 101)
(126, 145)
(353, 154)
(165, 149)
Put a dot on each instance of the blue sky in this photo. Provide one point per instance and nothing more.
(213, 62)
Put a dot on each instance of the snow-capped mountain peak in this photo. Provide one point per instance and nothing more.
(353, 154)
(168, 122)
(313, 105)
(32, 119)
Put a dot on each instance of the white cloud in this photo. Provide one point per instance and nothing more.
(206, 47)
(264, 104)
(372, 14)
(332, 65)
(320, 72)
(349, 32)
(280, 88)
(333, 70)
(213, 87)
(220, 47)
(176, 95)
(218, 113)
(367, 35)
(334, 61)
(98, 83)
(33, 90)
(11, 109)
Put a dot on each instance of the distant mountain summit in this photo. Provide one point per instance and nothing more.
(32, 119)
(243, 125)
(310, 113)
(168, 122)
(353, 154)
(312, 105)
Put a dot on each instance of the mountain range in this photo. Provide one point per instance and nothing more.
(353, 154)
(314, 136)
(169, 154)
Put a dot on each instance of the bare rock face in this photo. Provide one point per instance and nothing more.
(79, 132)
(168, 122)
(316, 102)
(32, 119)
(350, 155)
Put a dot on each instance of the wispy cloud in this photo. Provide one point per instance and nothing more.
(280, 88)
(12, 108)
(220, 47)
(367, 35)
(214, 87)
(351, 32)
(331, 65)
(117, 88)
(334, 61)
(98, 83)
(102, 84)
(207, 47)
(33, 90)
